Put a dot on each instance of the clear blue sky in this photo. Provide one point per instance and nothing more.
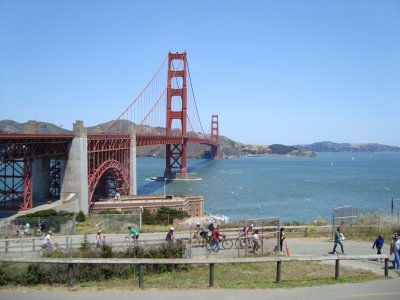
(281, 71)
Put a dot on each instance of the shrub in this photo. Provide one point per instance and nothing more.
(163, 216)
(80, 217)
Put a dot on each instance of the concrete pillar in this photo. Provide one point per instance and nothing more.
(40, 180)
(76, 169)
(31, 127)
(132, 160)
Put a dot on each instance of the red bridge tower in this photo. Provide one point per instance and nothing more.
(177, 95)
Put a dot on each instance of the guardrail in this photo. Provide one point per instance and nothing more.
(210, 261)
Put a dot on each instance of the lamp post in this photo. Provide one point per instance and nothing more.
(140, 216)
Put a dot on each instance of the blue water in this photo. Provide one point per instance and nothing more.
(292, 188)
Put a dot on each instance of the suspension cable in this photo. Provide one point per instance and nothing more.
(191, 85)
(134, 101)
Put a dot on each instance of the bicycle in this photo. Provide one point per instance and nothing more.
(224, 243)
(128, 241)
(241, 243)
(52, 248)
(199, 241)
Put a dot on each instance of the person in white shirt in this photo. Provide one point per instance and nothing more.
(256, 241)
(26, 229)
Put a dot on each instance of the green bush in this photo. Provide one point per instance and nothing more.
(163, 216)
(80, 217)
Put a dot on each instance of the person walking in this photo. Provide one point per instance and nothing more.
(100, 241)
(281, 237)
(214, 239)
(397, 251)
(338, 240)
(392, 249)
(256, 241)
(379, 244)
(26, 229)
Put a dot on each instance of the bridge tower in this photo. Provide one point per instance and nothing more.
(214, 136)
(177, 95)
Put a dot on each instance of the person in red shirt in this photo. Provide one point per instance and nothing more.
(214, 239)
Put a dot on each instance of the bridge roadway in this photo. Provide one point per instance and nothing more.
(380, 289)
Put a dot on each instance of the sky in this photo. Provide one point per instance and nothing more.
(284, 71)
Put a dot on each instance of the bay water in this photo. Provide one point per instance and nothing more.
(291, 188)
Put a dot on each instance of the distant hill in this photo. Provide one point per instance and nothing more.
(228, 147)
(346, 147)
(42, 127)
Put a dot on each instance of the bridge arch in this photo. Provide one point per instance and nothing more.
(116, 171)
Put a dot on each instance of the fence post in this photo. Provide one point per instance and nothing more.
(70, 275)
(33, 244)
(386, 267)
(337, 269)
(141, 279)
(211, 275)
(278, 271)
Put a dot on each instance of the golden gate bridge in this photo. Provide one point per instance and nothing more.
(34, 165)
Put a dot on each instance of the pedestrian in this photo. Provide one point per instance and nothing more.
(100, 240)
(26, 229)
(170, 235)
(339, 237)
(379, 244)
(214, 239)
(42, 227)
(397, 251)
(393, 248)
(256, 241)
(281, 237)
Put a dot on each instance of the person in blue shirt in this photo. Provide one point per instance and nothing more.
(379, 244)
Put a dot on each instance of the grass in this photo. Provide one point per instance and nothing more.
(261, 276)
(231, 276)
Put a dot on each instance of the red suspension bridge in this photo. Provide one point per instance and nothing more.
(82, 165)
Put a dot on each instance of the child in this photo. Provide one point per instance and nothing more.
(256, 241)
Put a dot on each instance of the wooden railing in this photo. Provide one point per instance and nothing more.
(211, 261)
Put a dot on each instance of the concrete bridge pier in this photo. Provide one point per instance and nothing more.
(75, 178)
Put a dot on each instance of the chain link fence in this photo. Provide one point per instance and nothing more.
(116, 224)
(366, 222)
(37, 226)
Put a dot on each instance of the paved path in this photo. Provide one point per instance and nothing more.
(382, 289)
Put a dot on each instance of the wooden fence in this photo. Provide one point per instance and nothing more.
(209, 261)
